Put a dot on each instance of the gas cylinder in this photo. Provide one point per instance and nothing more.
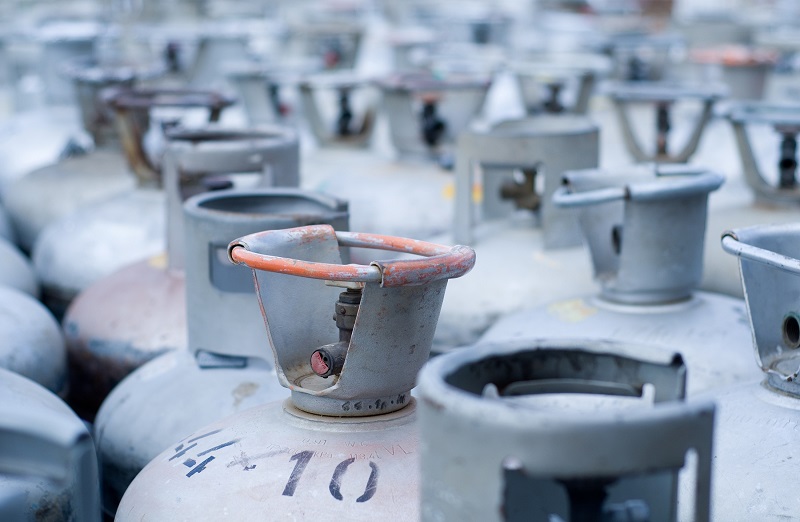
(663, 96)
(517, 165)
(355, 99)
(771, 195)
(84, 176)
(138, 312)
(555, 430)
(427, 111)
(744, 70)
(34, 139)
(94, 241)
(214, 378)
(32, 342)
(645, 235)
(48, 464)
(344, 445)
(754, 445)
(16, 270)
(559, 82)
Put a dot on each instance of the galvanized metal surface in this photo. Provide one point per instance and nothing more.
(67, 488)
(32, 343)
(16, 270)
(92, 243)
(489, 454)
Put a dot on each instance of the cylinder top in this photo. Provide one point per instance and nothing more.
(769, 259)
(394, 324)
(645, 229)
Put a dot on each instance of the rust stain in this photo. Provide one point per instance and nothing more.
(243, 391)
(441, 262)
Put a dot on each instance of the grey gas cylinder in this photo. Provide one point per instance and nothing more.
(559, 430)
(773, 194)
(662, 96)
(216, 376)
(16, 270)
(355, 99)
(426, 112)
(139, 312)
(48, 465)
(517, 165)
(32, 342)
(645, 235)
(94, 241)
(559, 82)
(345, 444)
(755, 440)
(54, 191)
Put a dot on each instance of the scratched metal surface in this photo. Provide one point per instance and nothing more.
(270, 463)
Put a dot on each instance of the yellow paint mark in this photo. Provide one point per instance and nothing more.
(449, 192)
(160, 261)
(572, 311)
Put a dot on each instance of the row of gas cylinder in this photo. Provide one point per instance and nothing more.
(167, 258)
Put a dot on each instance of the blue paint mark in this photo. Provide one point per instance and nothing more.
(200, 467)
(189, 463)
(204, 435)
(217, 447)
(182, 452)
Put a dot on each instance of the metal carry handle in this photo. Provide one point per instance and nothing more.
(123, 99)
(562, 197)
(441, 262)
(732, 245)
(683, 182)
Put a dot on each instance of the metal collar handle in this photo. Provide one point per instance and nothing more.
(785, 119)
(769, 261)
(645, 233)
(440, 262)
(525, 452)
(663, 95)
(382, 336)
(132, 108)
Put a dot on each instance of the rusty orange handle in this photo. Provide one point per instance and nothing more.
(441, 262)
